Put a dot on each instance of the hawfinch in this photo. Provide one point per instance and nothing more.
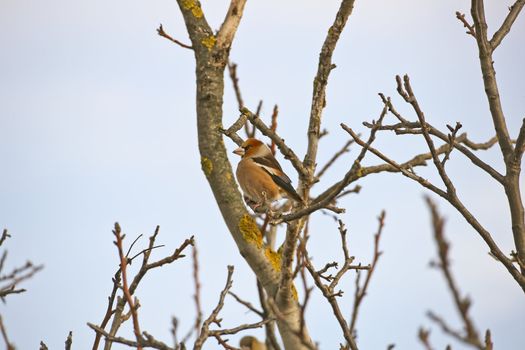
(251, 343)
(260, 176)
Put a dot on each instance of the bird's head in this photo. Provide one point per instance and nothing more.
(252, 148)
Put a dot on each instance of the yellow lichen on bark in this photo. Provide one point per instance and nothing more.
(194, 7)
(207, 166)
(294, 293)
(209, 41)
(274, 258)
(250, 231)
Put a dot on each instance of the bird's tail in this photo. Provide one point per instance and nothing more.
(294, 195)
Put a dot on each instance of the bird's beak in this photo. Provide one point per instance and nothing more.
(239, 151)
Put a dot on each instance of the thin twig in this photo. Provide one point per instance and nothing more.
(213, 318)
(271, 338)
(462, 303)
(424, 336)
(454, 200)
(149, 340)
(224, 343)
(235, 330)
(247, 304)
(125, 287)
(161, 32)
(69, 341)
(520, 143)
(8, 344)
(360, 292)
(5, 235)
(331, 161)
(117, 312)
(273, 126)
(466, 24)
(197, 284)
(232, 69)
(109, 309)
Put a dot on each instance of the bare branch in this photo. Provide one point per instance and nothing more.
(489, 76)
(11, 280)
(232, 69)
(149, 340)
(462, 304)
(162, 33)
(213, 318)
(330, 296)
(8, 344)
(271, 338)
(240, 328)
(520, 144)
(123, 264)
(454, 200)
(230, 24)
(224, 343)
(513, 166)
(197, 284)
(500, 34)
(325, 199)
(466, 24)
(408, 94)
(248, 305)
(336, 156)
(69, 340)
(5, 235)
(231, 132)
(117, 312)
(424, 337)
(324, 68)
(397, 166)
(360, 292)
(196, 296)
(273, 126)
(406, 127)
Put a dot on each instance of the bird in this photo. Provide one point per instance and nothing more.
(251, 343)
(260, 175)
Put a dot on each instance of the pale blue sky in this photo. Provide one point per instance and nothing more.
(97, 122)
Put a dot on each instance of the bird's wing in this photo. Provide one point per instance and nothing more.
(273, 168)
(268, 161)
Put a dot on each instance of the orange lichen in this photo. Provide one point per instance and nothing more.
(249, 230)
(274, 258)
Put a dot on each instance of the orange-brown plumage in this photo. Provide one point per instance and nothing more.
(251, 343)
(260, 175)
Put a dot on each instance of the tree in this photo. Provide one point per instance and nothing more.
(211, 54)
(276, 269)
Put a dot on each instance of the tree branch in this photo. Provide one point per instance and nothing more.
(213, 318)
(513, 165)
(325, 66)
(123, 263)
(162, 33)
(230, 24)
(500, 34)
(360, 292)
(462, 304)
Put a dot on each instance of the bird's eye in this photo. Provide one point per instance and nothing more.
(247, 147)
